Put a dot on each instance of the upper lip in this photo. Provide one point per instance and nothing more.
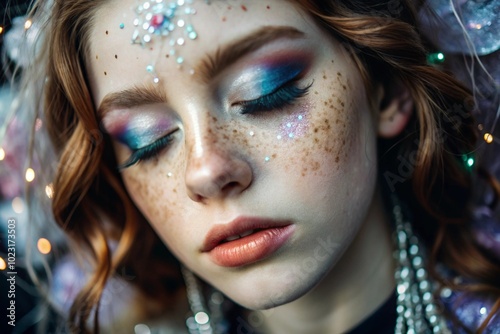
(239, 226)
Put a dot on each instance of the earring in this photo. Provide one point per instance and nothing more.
(417, 312)
(202, 321)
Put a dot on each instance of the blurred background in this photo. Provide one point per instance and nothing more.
(12, 204)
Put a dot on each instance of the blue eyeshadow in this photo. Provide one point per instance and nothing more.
(135, 139)
(141, 132)
(274, 77)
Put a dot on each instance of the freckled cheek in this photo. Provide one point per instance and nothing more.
(159, 201)
(331, 144)
(341, 141)
(155, 194)
(143, 181)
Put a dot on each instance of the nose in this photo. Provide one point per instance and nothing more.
(216, 172)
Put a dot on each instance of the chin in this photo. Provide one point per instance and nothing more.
(263, 301)
(264, 291)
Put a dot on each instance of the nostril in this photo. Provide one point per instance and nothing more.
(229, 186)
(198, 198)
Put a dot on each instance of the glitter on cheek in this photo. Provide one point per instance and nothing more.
(294, 126)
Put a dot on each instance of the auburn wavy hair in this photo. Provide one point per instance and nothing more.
(91, 204)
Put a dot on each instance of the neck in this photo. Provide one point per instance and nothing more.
(358, 284)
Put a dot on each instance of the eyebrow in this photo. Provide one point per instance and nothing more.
(228, 54)
(132, 97)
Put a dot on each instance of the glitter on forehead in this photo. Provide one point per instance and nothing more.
(164, 19)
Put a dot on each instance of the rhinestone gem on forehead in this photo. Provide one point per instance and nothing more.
(161, 18)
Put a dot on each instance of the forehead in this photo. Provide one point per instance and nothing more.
(115, 62)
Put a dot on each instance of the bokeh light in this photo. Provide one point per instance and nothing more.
(49, 190)
(142, 329)
(488, 138)
(38, 124)
(44, 246)
(30, 174)
(18, 205)
(27, 24)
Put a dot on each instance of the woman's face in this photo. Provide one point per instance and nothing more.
(258, 152)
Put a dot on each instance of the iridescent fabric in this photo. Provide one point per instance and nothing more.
(479, 18)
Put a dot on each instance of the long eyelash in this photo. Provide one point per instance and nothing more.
(278, 99)
(148, 152)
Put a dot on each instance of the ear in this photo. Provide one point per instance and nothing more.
(395, 109)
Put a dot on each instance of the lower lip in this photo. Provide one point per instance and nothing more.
(252, 248)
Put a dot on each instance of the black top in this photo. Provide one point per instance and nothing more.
(382, 321)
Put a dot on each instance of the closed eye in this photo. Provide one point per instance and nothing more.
(280, 98)
(148, 152)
